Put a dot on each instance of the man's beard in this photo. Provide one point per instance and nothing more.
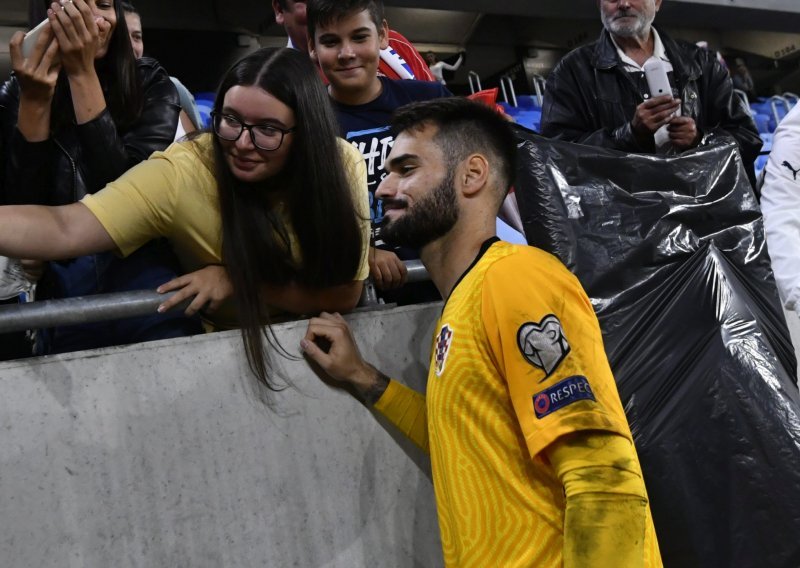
(626, 28)
(430, 218)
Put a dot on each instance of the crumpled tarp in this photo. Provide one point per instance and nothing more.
(671, 252)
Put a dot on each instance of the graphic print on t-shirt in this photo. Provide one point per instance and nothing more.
(374, 145)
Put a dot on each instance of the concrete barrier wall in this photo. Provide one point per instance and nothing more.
(161, 455)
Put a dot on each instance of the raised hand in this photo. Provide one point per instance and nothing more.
(37, 74)
(82, 35)
(329, 342)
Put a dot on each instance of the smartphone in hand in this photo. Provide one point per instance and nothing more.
(29, 41)
(655, 72)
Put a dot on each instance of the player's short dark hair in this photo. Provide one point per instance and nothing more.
(324, 12)
(283, 4)
(465, 127)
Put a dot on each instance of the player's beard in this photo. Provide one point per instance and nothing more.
(428, 219)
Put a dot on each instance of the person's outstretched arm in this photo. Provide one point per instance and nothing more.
(51, 233)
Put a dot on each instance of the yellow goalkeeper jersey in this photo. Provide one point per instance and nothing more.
(517, 362)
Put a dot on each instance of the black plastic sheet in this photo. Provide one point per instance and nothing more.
(672, 253)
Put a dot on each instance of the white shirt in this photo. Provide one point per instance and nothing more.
(780, 204)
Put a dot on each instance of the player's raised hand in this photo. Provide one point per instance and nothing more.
(329, 342)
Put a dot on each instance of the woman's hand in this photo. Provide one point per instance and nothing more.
(37, 74)
(210, 286)
(80, 35)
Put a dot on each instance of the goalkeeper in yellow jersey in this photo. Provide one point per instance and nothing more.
(532, 457)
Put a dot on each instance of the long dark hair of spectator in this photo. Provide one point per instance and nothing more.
(117, 71)
(256, 248)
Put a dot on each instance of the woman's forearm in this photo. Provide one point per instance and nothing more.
(87, 97)
(33, 120)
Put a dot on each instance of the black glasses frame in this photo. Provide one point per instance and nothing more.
(217, 116)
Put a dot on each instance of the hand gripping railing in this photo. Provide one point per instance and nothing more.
(105, 307)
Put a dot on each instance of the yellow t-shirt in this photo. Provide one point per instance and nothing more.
(517, 362)
(174, 195)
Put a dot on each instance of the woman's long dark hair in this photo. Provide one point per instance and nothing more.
(117, 71)
(256, 247)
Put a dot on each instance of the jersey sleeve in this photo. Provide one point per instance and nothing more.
(405, 408)
(357, 176)
(140, 205)
(545, 341)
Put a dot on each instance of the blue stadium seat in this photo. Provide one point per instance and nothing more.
(204, 109)
(761, 163)
(767, 139)
(528, 102)
(205, 96)
(529, 119)
(762, 122)
(510, 110)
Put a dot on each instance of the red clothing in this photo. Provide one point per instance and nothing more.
(409, 53)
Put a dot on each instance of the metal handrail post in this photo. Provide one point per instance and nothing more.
(746, 100)
(505, 79)
(537, 88)
(474, 80)
(773, 103)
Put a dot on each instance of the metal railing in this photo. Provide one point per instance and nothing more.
(507, 88)
(776, 100)
(106, 307)
(743, 95)
(474, 81)
(539, 85)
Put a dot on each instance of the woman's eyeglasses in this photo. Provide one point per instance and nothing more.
(264, 137)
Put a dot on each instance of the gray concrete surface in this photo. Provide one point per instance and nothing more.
(161, 455)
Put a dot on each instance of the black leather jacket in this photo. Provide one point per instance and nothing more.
(591, 99)
(82, 159)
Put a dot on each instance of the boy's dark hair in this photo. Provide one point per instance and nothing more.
(320, 13)
(465, 127)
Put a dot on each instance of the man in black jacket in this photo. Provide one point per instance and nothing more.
(598, 94)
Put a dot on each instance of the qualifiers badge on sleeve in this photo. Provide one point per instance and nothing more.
(442, 348)
(543, 344)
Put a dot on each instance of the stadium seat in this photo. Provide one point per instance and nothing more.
(762, 122)
(204, 109)
(528, 102)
